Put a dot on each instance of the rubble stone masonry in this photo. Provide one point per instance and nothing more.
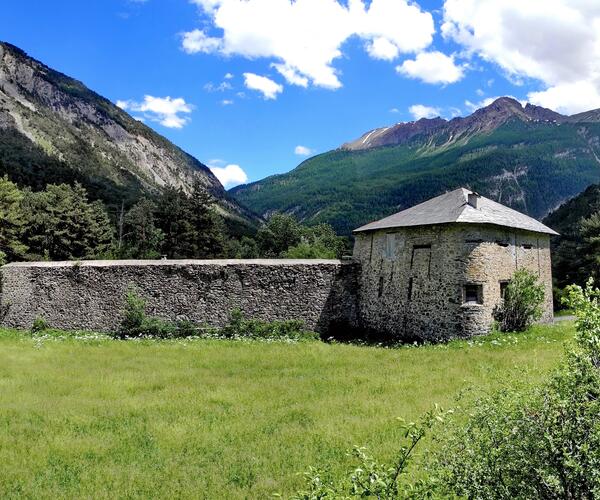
(428, 283)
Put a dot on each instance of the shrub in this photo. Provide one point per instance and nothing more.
(39, 325)
(522, 303)
(136, 323)
(370, 478)
(239, 327)
(535, 443)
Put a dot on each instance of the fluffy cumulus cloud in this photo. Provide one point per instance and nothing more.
(304, 37)
(556, 42)
(432, 67)
(421, 111)
(169, 112)
(229, 175)
(303, 151)
(267, 87)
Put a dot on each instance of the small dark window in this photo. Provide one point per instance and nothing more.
(410, 289)
(502, 243)
(380, 290)
(527, 246)
(473, 294)
(503, 285)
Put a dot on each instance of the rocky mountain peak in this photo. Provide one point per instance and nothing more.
(80, 131)
(485, 119)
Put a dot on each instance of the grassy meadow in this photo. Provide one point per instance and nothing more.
(99, 418)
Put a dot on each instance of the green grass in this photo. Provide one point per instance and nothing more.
(221, 419)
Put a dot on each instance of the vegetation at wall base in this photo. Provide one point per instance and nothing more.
(137, 324)
(521, 304)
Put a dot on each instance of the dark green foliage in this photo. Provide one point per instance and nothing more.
(12, 221)
(521, 304)
(39, 325)
(136, 323)
(190, 226)
(521, 165)
(140, 238)
(575, 252)
(542, 443)
(240, 327)
(284, 236)
(279, 233)
(244, 248)
(62, 224)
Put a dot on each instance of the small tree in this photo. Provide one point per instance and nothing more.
(522, 302)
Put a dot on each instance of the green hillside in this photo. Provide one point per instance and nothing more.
(532, 166)
(575, 252)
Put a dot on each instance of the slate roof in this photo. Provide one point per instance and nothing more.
(453, 207)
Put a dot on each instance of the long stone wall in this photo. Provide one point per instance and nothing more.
(90, 295)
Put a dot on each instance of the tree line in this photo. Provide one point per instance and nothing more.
(61, 222)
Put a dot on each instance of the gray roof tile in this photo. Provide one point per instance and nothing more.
(453, 207)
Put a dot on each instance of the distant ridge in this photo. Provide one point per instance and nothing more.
(485, 119)
(527, 157)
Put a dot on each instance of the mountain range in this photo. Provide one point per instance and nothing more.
(527, 157)
(54, 129)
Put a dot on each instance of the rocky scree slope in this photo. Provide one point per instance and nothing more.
(54, 129)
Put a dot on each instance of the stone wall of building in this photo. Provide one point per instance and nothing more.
(412, 283)
(90, 295)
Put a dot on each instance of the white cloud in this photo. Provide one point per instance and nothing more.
(228, 76)
(266, 86)
(197, 41)
(164, 110)
(568, 98)
(226, 102)
(556, 42)
(394, 110)
(421, 111)
(230, 175)
(222, 87)
(303, 151)
(432, 67)
(290, 74)
(304, 37)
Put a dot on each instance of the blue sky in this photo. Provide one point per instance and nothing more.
(251, 81)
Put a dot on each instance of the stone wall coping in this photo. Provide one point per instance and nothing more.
(184, 262)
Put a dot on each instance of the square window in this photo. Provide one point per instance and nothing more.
(473, 294)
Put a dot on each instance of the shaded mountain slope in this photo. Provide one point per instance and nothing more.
(54, 129)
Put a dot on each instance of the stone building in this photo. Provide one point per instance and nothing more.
(436, 270)
(432, 272)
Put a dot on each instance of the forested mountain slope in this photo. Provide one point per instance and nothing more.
(529, 158)
(54, 129)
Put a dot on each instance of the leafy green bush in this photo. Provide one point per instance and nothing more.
(240, 327)
(370, 478)
(522, 302)
(536, 443)
(39, 325)
(136, 323)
